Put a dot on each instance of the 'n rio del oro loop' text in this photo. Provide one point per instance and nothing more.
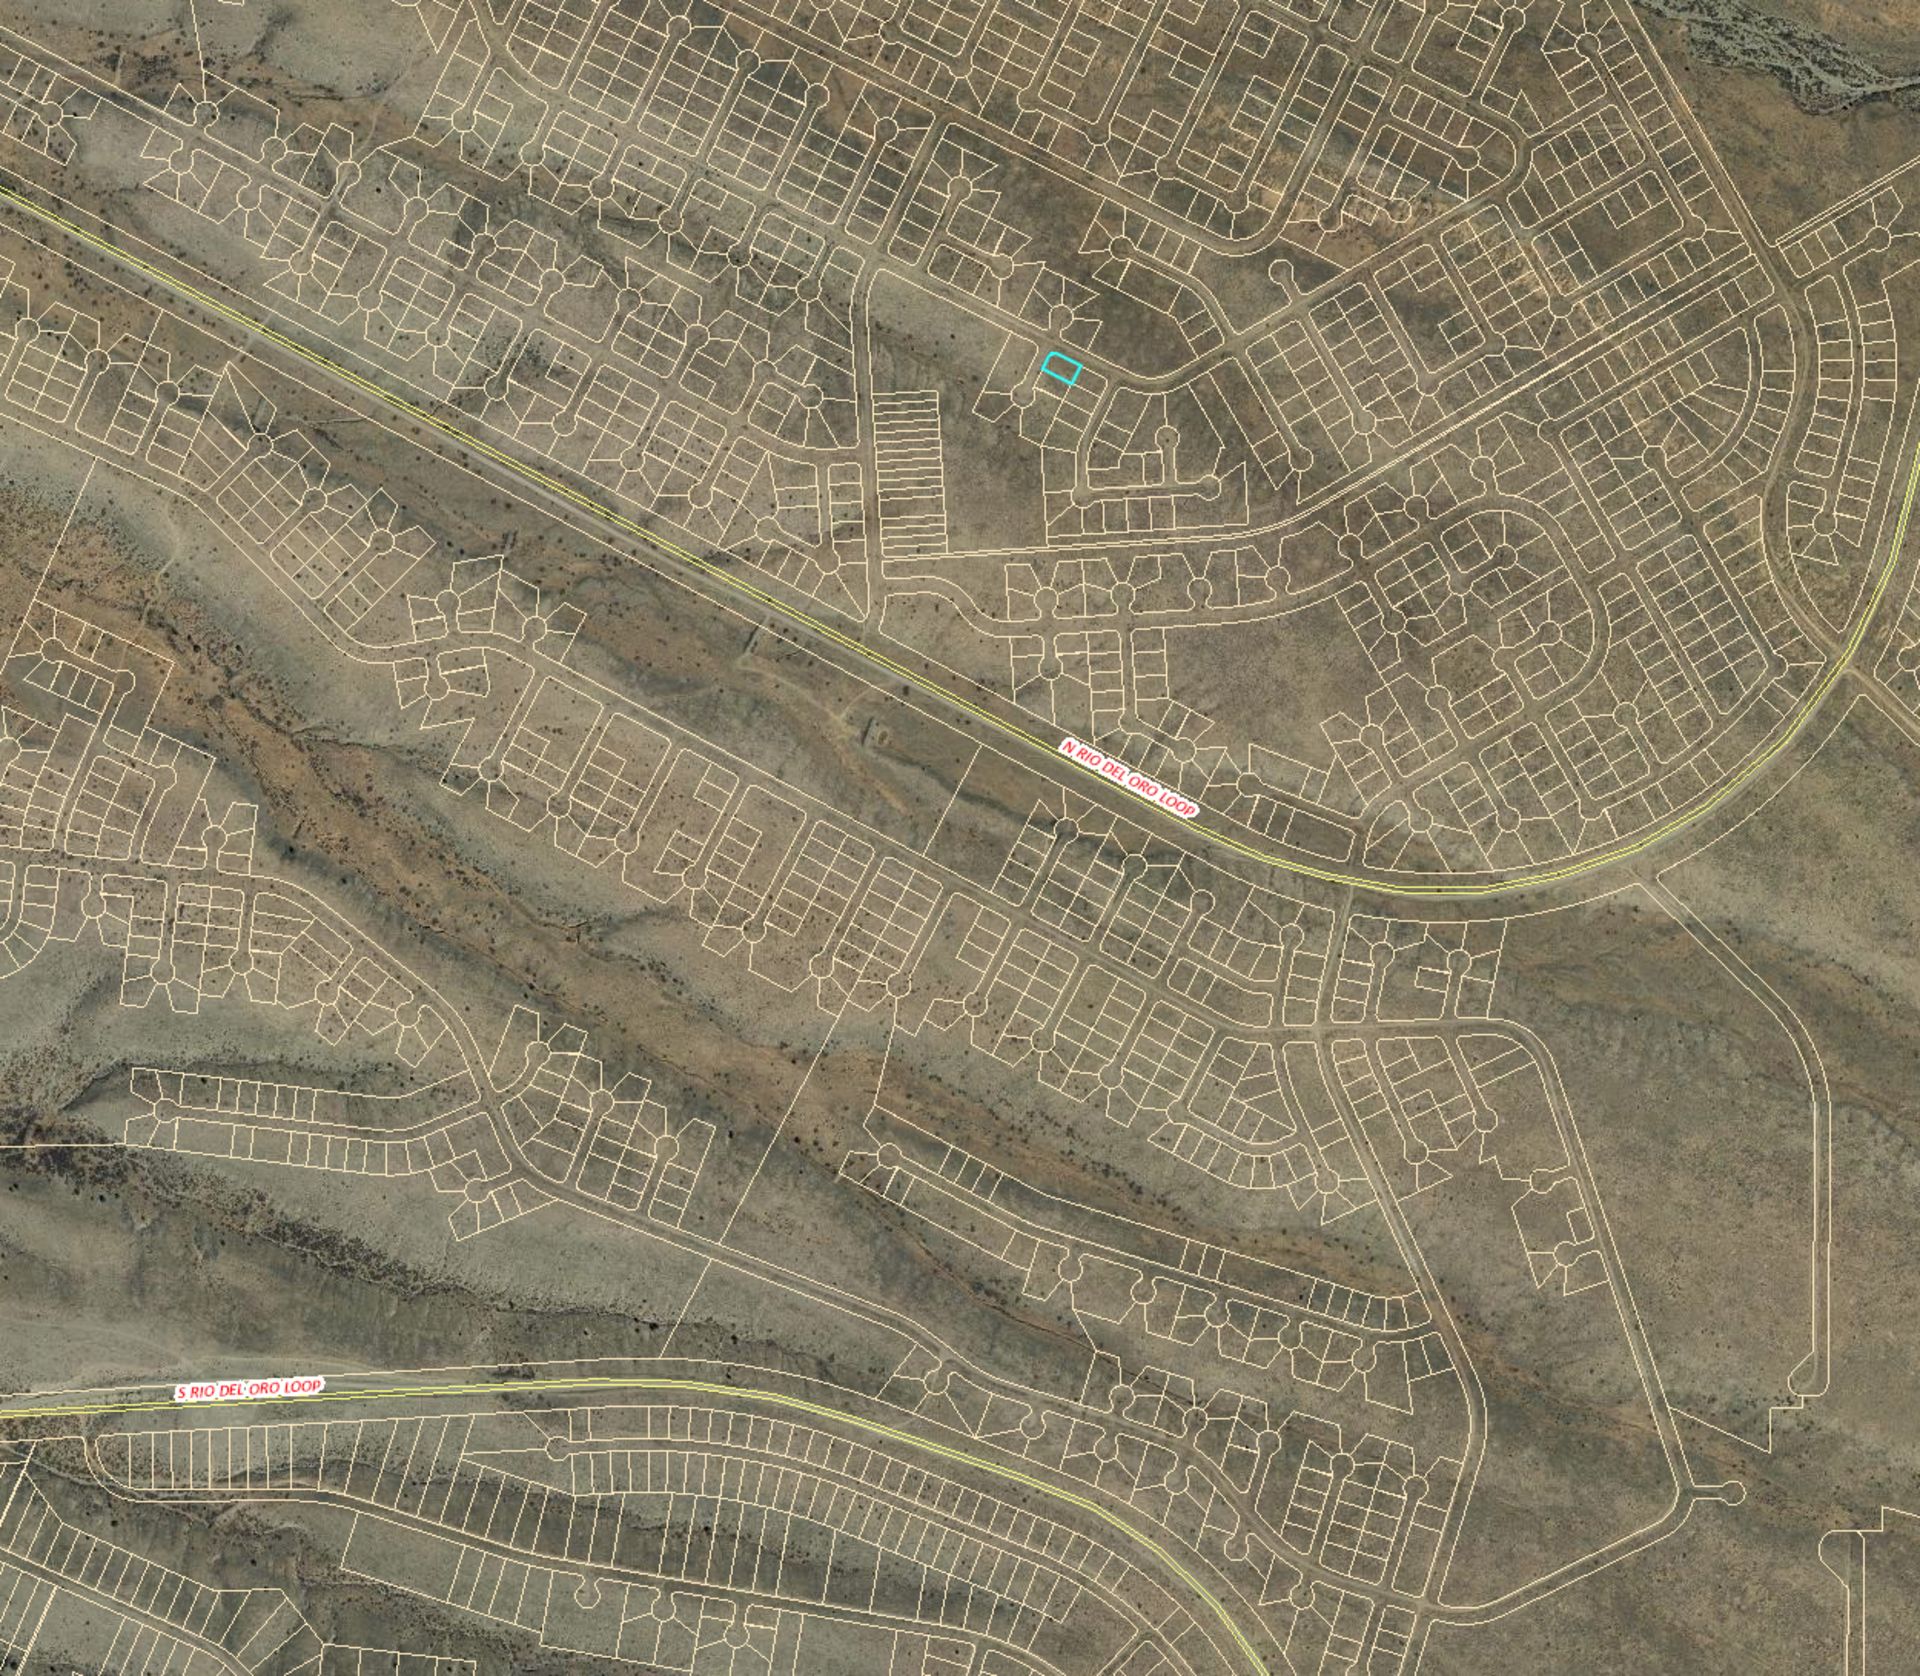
(1141, 785)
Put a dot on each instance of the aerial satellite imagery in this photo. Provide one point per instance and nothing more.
(959, 837)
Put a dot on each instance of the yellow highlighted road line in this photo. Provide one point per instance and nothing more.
(712, 1388)
(1433, 890)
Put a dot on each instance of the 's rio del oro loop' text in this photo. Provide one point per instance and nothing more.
(243, 1390)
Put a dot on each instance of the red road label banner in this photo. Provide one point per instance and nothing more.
(1141, 785)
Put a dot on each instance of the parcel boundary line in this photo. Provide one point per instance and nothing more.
(709, 1388)
(1416, 888)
